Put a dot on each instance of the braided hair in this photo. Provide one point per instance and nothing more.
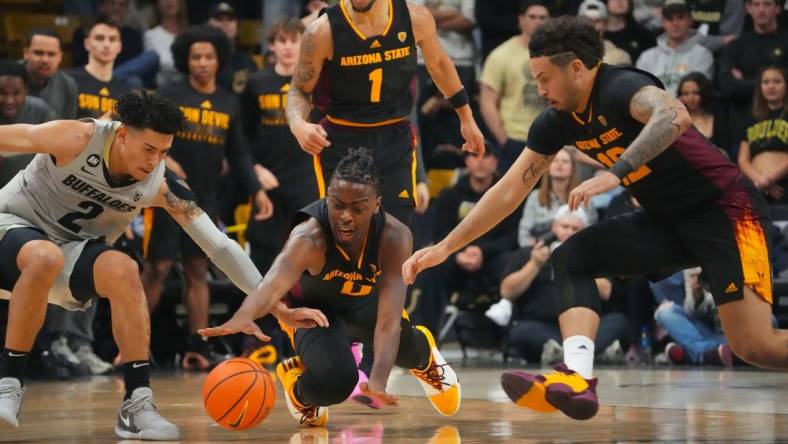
(358, 166)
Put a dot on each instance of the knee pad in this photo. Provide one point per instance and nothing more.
(575, 285)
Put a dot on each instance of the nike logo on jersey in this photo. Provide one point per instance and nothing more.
(140, 364)
(86, 171)
(16, 355)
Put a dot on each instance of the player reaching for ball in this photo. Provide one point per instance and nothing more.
(345, 255)
(58, 219)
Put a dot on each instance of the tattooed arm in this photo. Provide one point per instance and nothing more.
(316, 47)
(666, 119)
(497, 203)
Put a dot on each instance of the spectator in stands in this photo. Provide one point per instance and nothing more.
(763, 153)
(497, 21)
(718, 22)
(678, 50)
(696, 93)
(743, 59)
(172, 18)
(528, 295)
(542, 204)
(454, 21)
(132, 64)
(16, 106)
(97, 86)
(509, 100)
(596, 11)
(240, 66)
(285, 170)
(42, 59)
(212, 135)
(470, 272)
(687, 311)
(624, 32)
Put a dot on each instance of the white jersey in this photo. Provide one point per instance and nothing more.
(75, 201)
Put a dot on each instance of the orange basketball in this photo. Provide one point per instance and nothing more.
(238, 394)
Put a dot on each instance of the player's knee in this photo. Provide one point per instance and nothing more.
(118, 268)
(566, 258)
(756, 352)
(339, 387)
(41, 257)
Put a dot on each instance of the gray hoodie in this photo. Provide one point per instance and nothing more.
(670, 64)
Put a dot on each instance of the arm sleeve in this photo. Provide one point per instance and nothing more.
(239, 159)
(225, 253)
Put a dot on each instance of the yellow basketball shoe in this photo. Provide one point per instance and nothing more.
(562, 389)
(438, 380)
(288, 372)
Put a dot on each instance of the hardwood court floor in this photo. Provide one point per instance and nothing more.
(638, 405)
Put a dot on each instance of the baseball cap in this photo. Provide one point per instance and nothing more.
(221, 9)
(674, 6)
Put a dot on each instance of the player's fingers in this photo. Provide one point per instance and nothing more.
(322, 131)
(321, 319)
(320, 138)
(214, 331)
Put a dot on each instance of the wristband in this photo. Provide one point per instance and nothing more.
(459, 99)
(621, 169)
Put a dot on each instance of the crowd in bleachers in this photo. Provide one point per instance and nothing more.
(725, 60)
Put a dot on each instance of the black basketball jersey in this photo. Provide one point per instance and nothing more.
(690, 171)
(368, 79)
(344, 284)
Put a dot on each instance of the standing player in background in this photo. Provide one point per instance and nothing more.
(97, 88)
(358, 61)
(213, 131)
(283, 168)
(699, 210)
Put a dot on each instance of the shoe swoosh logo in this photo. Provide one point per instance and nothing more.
(125, 420)
(138, 365)
(241, 416)
(15, 355)
(86, 171)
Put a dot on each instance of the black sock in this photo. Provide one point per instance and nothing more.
(13, 364)
(135, 374)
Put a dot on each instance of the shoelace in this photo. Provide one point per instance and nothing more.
(139, 405)
(308, 414)
(435, 375)
(10, 390)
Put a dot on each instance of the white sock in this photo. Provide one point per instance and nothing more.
(579, 355)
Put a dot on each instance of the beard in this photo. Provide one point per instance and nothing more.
(367, 8)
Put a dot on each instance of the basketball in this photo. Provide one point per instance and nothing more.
(238, 394)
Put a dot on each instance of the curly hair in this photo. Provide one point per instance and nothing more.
(358, 166)
(13, 69)
(148, 110)
(566, 38)
(204, 33)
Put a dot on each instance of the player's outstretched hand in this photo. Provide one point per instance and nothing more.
(265, 208)
(599, 184)
(302, 317)
(380, 395)
(474, 140)
(311, 137)
(421, 260)
(236, 324)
